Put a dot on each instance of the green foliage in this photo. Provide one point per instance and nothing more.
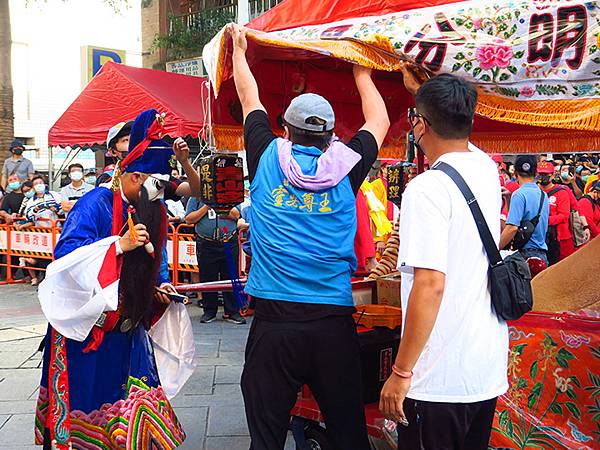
(189, 34)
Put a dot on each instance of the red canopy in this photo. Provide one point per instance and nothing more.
(119, 93)
(299, 13)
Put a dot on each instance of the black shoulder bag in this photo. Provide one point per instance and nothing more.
(527, 227)
(510, 279)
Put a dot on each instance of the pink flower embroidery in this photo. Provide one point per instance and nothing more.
(527, 91)
(492, 55)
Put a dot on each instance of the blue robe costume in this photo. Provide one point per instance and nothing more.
(115, 399)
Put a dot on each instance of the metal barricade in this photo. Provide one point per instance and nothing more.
(27, 244)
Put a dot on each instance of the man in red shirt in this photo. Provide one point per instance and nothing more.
(560, 214)
(589, 207)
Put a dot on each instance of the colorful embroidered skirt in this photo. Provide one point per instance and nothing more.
(116, 401)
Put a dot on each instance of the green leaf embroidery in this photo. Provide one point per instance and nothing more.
(593, 49)
(519, 54)
(459, 56)
(571, 394)
(485, 77)
(534, 394)
(518, 349)
(509, 428)
(575, 380)
(503, 418)
(456, 67)
(556, 408)
(596, 59)
(476, 71)
(572, 407)
(468, 66)
(533, 370)
(504, 77)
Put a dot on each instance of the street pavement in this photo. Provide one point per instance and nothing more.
(210, 405)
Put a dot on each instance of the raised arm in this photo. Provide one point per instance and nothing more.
(192, 187)
(245, 83)
(377, 121)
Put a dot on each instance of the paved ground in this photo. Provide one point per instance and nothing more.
(210, 406)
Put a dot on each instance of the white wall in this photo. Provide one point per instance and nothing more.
(46, 60)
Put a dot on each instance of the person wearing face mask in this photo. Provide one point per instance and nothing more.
(560, 239)
(589, 207)
(17, 164)
(76, 189)
(11, 203)
(90, 176)
(117, 142)
(568, 178)
(450, 333)
(582, 174)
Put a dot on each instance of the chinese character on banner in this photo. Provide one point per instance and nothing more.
(293, 201)
(44, 240)
(27, 239)
(18, 238)
(36, 239)
(190, 249)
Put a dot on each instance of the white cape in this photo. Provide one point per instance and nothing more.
(73, 299)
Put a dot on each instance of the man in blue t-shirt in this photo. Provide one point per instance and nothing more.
(303, 217)
(525, 205)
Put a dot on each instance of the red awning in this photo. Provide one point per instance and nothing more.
(119, 93)
(300, 13)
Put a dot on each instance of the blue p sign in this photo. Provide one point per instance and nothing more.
(100, 56)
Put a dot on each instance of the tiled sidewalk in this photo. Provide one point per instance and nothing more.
(210, 406)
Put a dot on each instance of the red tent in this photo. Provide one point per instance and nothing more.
(283, 73)
(119, 93)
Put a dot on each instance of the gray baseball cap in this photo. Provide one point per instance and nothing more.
(310, 112)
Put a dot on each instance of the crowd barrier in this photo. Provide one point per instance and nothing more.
(38, 242)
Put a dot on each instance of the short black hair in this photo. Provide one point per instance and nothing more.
(526, 165)
(448, 103)
(321, 140)
(38, 177)
(74, 165)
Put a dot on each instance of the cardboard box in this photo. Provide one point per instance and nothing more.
(388, 290)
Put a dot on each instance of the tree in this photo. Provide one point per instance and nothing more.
(6, 89)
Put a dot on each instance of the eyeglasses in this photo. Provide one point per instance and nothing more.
(413, 115)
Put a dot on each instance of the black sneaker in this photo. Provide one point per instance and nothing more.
(234, 318)
(208, 318)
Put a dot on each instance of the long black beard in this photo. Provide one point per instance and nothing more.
(140, 270)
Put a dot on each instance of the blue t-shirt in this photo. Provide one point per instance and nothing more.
(524, 205)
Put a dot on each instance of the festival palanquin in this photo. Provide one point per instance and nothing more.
(536, 65)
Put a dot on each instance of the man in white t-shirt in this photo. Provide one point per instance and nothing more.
(452, 361)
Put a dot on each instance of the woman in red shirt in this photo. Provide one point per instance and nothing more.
(589, 208)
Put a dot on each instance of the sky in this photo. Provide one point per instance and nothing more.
(46, 54)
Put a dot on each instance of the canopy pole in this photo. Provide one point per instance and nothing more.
(50, 167)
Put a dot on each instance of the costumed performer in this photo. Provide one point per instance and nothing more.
(105, 384)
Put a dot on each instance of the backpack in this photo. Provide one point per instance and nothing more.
(510, 278)
(527, 227)
(575, 223)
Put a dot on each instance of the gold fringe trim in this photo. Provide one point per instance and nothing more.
(555, 141)
(581, 114)
(228, 137)
(116, 179)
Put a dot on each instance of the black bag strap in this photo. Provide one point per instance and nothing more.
(555, 190)
(486, 236)
(536, 219)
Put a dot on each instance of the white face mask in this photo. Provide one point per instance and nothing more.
(40, 188)
(155, 185)
(76, 175)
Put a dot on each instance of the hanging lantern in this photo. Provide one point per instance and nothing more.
(222, 181)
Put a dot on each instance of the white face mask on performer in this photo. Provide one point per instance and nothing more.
(155, 185)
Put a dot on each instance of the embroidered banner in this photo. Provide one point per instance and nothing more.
(535, 62)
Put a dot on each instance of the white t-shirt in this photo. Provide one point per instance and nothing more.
(465, 359)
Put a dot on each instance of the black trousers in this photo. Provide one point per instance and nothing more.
(212, 266)
(283, 356)
(446, 426)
